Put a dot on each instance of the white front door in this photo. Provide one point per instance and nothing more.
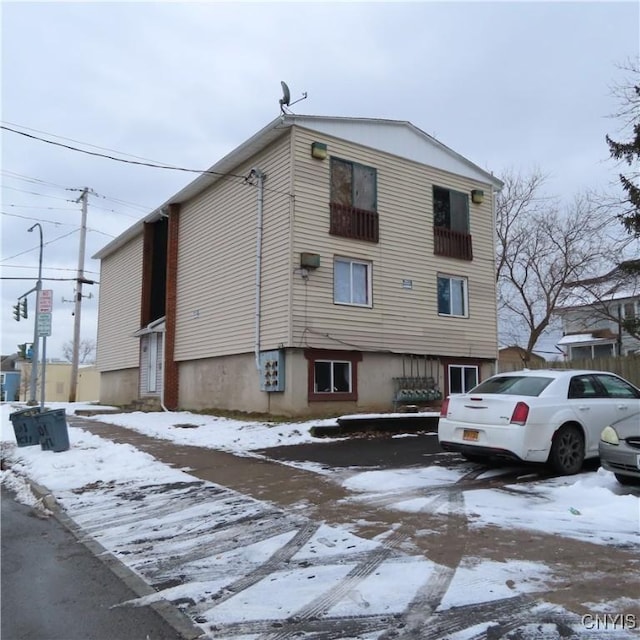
(152, 363)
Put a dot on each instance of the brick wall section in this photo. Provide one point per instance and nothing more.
(171, 379)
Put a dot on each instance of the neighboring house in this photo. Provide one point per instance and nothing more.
(514, 358)
(594, 316)
(9, 378)
(57, 382)
(305, 273)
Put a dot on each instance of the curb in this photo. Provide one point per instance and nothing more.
(172, 616)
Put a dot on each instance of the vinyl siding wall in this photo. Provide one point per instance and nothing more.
(401, 320)
(216, 287)
(119, 308)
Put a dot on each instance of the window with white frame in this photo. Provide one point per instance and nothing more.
(452, 296)
(591, 351)
(331, 376)
(462, 378)
(352, 282)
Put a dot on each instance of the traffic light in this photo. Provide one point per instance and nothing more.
(16, 311)
(22, 350)
(23, 308)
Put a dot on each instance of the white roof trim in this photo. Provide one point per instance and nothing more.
(584, 339)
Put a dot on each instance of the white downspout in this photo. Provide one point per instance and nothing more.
(164, 343)
(494, 215)
(260, 176)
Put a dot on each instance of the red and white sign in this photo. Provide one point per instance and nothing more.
(45, 301)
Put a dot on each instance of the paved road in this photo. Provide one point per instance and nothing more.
(54, 588)
(378, 451)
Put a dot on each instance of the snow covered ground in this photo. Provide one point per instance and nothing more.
(239, 568)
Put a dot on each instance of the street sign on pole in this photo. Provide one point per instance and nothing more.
(45, 301)
(44, 324)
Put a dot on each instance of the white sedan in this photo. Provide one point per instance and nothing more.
(552, 416)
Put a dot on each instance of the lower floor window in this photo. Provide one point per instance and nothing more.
(462, 378)
(332, 375)
(592, 351)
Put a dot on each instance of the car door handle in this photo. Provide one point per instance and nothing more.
(584, 407)
(624, 407)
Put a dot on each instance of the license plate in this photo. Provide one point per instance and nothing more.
(469, 434)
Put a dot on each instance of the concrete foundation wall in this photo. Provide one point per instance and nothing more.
(119, 387)
(232, 383)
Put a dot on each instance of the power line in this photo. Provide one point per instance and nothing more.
(24, 266)
(110, 157)
(86, 144)
(43, 278)
(33, 193)
(125, 202)
(35, 206)
(15, 215)
(44, 245)
(19, 176)
(126, 215)
(143, 162)
(103, 233)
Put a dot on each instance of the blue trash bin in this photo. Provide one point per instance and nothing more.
(25, 426)
(52, 430)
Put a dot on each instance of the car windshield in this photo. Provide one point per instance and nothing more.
(513, 385)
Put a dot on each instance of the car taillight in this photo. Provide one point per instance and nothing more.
(444, 408)
(520, 414)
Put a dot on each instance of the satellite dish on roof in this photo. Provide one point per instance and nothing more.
(286, 95)
(285, 101)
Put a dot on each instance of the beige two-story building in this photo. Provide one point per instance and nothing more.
(326, 265)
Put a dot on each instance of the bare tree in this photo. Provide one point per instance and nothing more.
(541, 246)
(86, 351)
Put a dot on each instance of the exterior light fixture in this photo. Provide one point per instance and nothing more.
(309, 260)
(477, 196)
(318, 150)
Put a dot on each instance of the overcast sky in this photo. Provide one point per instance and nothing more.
(506, 84)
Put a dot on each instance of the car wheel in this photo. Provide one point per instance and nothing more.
(567, 450)
(627, 480)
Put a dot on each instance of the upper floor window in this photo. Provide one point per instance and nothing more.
(353, 201)
(451, 224)
(352, 282)
(452, 296)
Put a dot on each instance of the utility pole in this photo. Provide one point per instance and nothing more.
(36, 335)
(84, 196)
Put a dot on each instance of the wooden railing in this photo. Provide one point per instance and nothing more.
(452, 244)
(350, 222)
